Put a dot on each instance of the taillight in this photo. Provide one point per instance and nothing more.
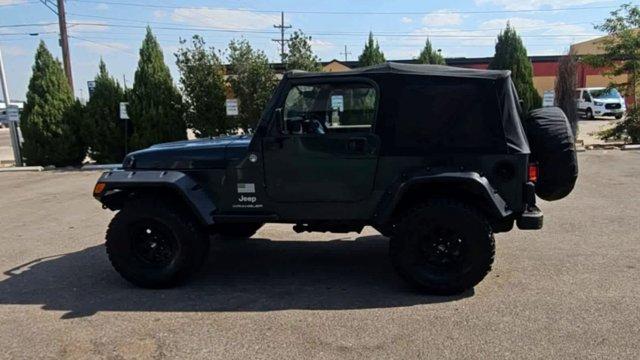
(533, 172)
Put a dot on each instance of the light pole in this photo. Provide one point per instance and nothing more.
(13, 125)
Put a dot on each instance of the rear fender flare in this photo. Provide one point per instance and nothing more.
(472, 182)
(198, 200)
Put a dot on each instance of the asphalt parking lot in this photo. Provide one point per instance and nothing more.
(571, 290)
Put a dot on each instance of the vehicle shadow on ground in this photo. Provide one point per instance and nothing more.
(241, 275)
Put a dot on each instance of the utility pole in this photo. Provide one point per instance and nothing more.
(346, 54)
(13, 125)
(282, 41)
(64, 43)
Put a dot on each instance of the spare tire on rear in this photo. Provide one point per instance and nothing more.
(552, 146)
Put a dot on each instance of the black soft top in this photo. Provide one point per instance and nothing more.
(410, 69)
(444, 109)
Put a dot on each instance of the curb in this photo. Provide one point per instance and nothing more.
(22, 169)
(631, 147)
(90, 167)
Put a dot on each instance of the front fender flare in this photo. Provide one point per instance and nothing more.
(471, 181)
(195, 196)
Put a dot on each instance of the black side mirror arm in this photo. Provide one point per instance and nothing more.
(279, 118)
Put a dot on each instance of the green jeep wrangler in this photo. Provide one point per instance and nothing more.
(436, 158)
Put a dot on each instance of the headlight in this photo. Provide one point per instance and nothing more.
(598, 103)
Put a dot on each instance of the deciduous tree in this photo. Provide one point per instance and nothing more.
(565, 86)
(203, 86)
(622, 57)
(252, 81)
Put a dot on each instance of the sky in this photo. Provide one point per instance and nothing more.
(114, 29)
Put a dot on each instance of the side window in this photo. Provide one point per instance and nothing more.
(586, 96)
(577, 96)
(330, 108)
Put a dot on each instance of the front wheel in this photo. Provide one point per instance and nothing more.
(619, 116)
(443, 247)
(589, 114)
(154, 245)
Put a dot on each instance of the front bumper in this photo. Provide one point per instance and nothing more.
(530, 219)
(608, 112)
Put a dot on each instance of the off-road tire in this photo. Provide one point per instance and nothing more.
(191, 243)
(237, 230)
(618, 117)
(407, 246)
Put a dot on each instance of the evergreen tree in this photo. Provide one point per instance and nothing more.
(371, 55)
(252, 81)
(300, 56)
(430, 56)
(104, 130)
(202, 83)
(155, 105)
(512, 55)
(51, 119)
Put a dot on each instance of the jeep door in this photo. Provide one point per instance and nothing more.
(321, 146)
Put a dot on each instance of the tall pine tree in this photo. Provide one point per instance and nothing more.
(155, 107)
(430, 56)
(51, 118)
(512, 55)
(104, 130)
(300, 56)
(371, 55)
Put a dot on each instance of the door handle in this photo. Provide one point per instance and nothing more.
(357, 145)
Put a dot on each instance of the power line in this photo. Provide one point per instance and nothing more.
(545, 26)
(51, 6)
(327, 33)
(20, 3)
(101, 44)
(346, 12)
(27, 25)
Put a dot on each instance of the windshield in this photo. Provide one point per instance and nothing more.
(606, 94)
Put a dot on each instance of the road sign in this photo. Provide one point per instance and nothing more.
(13, 113)
(123, 111)
(91, 85)
(232, 107)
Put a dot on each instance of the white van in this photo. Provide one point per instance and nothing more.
(600, 101)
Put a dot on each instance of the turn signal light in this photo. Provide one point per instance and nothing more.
(98, 189)
(533, 172)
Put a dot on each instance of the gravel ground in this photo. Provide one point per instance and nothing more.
(571, 290)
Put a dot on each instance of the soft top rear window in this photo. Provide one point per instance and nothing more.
(437, 113)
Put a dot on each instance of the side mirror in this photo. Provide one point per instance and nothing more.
(279, 118)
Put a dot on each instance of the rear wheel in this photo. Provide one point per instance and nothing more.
(443, 247)
(154, 245)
